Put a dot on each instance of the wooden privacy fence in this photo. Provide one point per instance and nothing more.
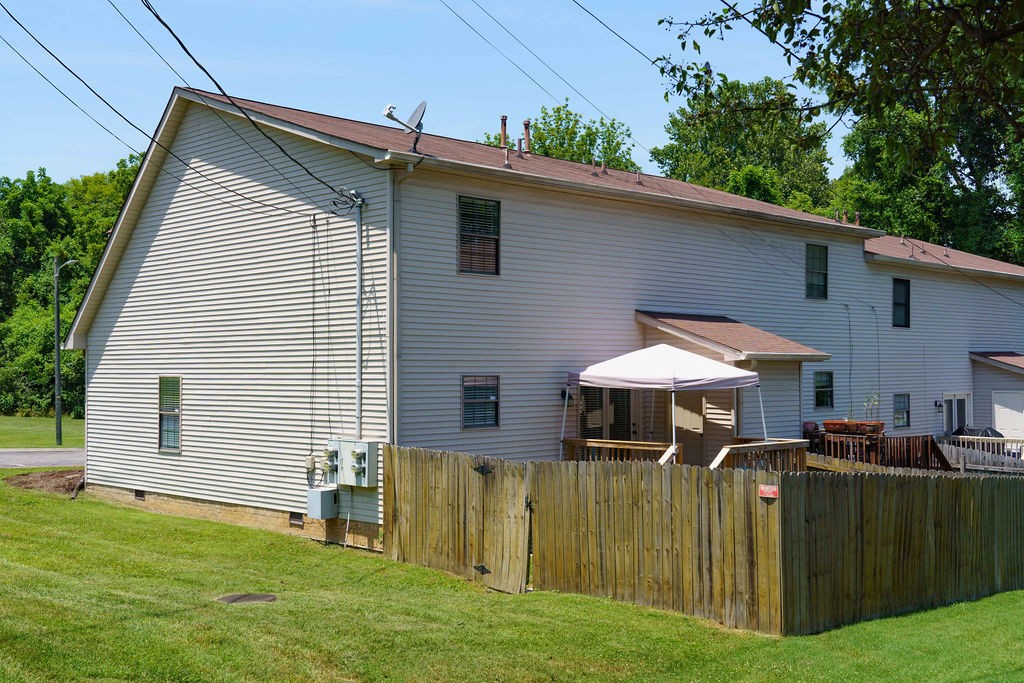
(790, 553)
(691, 539)
(863, 546)
(463, 514)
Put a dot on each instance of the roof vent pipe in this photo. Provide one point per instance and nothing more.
(526, 136)
(507, 164)
(503, 138)
(519, 146)
(845, 217)
(604, 168)
(856, 217)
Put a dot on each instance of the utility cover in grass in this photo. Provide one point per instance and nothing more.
(247, 597)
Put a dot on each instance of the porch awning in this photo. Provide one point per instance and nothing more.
(733, 339)
(663, 367)
(1007, 360)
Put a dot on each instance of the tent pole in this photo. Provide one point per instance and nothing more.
(764, 425)
(565, 410)
(672, 394)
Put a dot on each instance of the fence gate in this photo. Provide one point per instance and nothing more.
(466, 515)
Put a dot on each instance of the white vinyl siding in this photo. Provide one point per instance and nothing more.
(219, 293)
(574, 271)
(989, 380)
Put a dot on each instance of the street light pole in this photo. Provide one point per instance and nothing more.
(56, 341)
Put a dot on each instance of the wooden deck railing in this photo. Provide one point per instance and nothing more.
(774, 455)
(1008, 448)
(915, 452)
(582, 450)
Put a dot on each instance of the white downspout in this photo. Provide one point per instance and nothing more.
(565, 411)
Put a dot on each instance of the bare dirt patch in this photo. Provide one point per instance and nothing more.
(51, 481)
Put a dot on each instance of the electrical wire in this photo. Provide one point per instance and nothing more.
(132, 124)
(967, 275)
(121, 140)
(617, 34)
(552, 70)
(494, 47)
(213, 109)
(344, 193)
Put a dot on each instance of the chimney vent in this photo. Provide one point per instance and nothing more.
(856, 217)
(526, 136)
(503, 138)
(604, 168)
(507, 164)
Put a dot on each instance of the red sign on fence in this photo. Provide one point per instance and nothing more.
(768, 491)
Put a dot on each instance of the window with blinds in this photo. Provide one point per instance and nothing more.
(901, 410)
(479, 234)
(479, 401)
(170, 414)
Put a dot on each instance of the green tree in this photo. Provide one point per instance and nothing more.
(867, 56)
(561, 133)
(41, 219)
(965, 193)
(726, 131)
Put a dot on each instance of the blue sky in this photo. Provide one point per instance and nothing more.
(347, 58)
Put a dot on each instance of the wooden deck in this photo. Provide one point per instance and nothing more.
(909, 452)
(589, 450)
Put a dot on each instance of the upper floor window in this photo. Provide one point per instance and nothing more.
(816, 271)
(479, 234)
(823, 389)
(901, 410)
(169, 410)
(479, 401)
(900, 302)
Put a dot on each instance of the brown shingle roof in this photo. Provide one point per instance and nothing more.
(1012, 359)
(745, 342)
(386, 137)
(928, 254)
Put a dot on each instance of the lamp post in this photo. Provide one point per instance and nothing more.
(56, 340)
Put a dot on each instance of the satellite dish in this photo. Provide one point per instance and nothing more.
(413, 125)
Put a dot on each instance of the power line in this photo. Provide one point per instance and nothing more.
(964, 273)
(552, 70)
(121, 140)
(495, 48)
(346, 195)
(617, 34)
(132, 124)
(213, 109)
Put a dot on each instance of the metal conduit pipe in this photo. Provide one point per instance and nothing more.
(358, 202)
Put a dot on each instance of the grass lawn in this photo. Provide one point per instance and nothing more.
(93, 591)
(39, 432)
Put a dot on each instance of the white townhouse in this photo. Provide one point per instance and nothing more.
(264, 292)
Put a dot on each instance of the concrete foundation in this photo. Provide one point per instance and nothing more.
(359, 534)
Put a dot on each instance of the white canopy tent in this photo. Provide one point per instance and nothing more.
(667, 368)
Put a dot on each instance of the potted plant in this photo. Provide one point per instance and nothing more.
(871, 424)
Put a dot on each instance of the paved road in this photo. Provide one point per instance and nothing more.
(42, 457)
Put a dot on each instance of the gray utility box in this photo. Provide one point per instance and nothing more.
(357, 463)
(322, 502)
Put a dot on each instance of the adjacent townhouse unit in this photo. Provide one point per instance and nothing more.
(266, 290)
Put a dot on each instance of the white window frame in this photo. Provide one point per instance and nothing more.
(167, 412)
(947, 425)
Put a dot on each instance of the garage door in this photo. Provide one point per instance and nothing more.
(1008, 413)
